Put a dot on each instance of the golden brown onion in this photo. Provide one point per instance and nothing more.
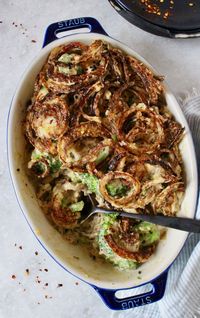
(141, 129)
(129, 185)
(75, 148)
(168, 202)
(46, 122)
(65, 194)
(81, 65)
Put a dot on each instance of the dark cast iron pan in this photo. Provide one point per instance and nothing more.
(174, 19)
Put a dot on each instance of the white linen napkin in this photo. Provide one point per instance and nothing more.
(182, 294)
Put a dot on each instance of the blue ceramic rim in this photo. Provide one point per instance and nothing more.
(46, 249)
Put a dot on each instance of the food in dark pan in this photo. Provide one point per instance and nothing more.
(98, 124)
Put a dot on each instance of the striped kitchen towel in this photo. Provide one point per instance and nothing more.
(182, 295)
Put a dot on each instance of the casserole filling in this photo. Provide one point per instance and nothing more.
(98, 124)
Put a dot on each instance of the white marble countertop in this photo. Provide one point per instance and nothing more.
(22, 27)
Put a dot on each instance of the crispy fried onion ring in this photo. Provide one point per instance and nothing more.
(64, 194)
(46, 122)
(75, 148)
(141, 256)
(130, 187)
(118, 68)
(153, 174)
(147, 83)
(122, 99)
(126, 243)
(95, 102)
(173, 132)
(169, 200)
(106, 157)
(170, 158)
(74, 66)
(141, 129)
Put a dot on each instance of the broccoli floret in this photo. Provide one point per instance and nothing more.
(149, 233)
(76, 207)
(90, 181)
(55, 165)
(116, 188)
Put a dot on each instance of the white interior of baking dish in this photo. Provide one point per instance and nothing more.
(75, 258)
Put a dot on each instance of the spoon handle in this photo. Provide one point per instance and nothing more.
(179, 223)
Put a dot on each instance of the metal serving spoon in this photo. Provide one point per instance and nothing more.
(179, 223)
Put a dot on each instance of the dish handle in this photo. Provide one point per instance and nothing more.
(73, 24)
(157, 292)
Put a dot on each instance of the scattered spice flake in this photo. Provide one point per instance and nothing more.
(46, 284)
(18, 169)
(46, 270)
(38, 303)
(1, 21)
(76, 283)
(24, 289)
(139, 272)
(40, 270)
(13, 277)
(27, 271)
(48, 297)
(156, 9)
(33, 41)
(13, 23)
(20, 247)
(60, 285)
(36, 253)
(19, 283)
(15, 244)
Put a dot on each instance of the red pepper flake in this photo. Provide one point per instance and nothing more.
(155, 8)
(13, 276)
(60, 285)
(46, 270)
(36, 253)
(33, 41)
(20, 247)
(76, 283)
